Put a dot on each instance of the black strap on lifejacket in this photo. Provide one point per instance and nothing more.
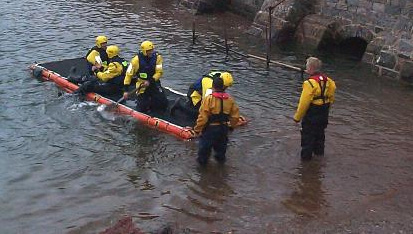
(221, 117)
(102, 53)
(218, 74)
(322, 88)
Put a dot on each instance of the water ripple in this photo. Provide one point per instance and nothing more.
(65, 168)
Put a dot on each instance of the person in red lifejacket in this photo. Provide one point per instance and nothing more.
(313, 109)
(218, 111)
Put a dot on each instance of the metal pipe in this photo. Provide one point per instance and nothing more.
(276, 62)
(267, 47)
(261, 58)
(226, 41)
(229, 49)
(270, 33)
(193, 32)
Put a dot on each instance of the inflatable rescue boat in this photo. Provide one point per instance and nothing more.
(176, 124)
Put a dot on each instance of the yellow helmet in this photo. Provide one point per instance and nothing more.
(145, 46)
(112, 51)
(100, 40)
(227, 78)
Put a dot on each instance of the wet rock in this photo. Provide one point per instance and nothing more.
(389, 73)
(393, 10)
(405, 46)
(387, 59)
(206, 6)
(368, 57)
(406, 72)
(376, 45)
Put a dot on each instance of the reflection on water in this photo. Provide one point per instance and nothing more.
(308, 196)
(65, 168)
(212, 184)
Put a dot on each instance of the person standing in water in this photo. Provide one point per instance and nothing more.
(313, 109)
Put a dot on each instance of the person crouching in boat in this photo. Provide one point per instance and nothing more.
(97, 55)
(108, 83)
(147, 67)
(199, 90)
(217, 112)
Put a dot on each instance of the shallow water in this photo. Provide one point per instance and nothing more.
(65, 168)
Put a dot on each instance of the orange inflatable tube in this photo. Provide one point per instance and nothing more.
(159, 124)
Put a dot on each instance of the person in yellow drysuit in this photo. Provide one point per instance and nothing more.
(199, 90)
(109, 82)
(97, 55)
(217, 112)
(313, 109)
(147, 67)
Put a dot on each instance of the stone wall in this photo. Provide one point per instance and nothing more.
(248, 8)
(386, 26)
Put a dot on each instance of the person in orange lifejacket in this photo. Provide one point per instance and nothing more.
(110, 81)
(97, 55)
(313, 109)
(218, 111)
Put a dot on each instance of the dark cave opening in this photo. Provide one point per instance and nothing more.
(352, 47)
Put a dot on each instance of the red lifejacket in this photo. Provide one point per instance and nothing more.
(220, 95)
(221, 117)
(319, 77)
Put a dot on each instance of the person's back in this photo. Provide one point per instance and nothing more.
(318, 90)
(313, 109)
(218, 111)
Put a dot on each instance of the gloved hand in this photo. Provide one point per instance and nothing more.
(296, 121)
(242, 118)
(297, 124)
(193, 133)
(146, 83)
(125, 95)
(86, 78)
